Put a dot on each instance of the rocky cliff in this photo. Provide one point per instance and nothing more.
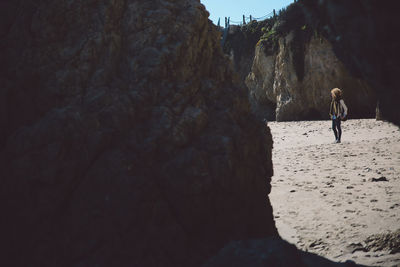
(306, 96)
(239, 45)
(314, 46)
(125, 138)
(363, 35)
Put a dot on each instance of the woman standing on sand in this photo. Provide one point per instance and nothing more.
(338, 111)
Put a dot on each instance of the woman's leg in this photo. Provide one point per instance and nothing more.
(338, 122)
(334, 129)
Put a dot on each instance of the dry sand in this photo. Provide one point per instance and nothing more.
(323, 194)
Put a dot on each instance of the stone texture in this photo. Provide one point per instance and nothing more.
(239, 45)
(260, 82)
(125, 138)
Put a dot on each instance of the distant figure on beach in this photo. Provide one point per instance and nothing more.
(338, 112)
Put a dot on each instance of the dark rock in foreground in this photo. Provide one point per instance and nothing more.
(125, 139)
(268, 252)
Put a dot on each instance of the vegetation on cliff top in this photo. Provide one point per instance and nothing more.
(244, 39)
(307, 18)
(268, 32)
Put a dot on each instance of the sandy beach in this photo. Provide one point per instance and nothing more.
(340, 201)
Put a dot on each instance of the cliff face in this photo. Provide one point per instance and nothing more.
(314, 46)
(363, 34)
(239, 46)
(125, 137)
(274, 77)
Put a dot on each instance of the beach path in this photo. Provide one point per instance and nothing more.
(332, 199)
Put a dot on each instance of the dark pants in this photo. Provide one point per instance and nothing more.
(336, 125)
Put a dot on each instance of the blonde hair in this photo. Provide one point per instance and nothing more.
(336, 93)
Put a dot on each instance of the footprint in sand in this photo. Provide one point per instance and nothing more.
(348, 205)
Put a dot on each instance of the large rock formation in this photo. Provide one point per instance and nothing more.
(274, 78)
(240, 44)
(363, 34)
(125, 140)
(269, 252)
(317, 45)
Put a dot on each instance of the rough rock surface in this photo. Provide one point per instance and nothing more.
(125, 139)
(239, 45)
(259, 80)
(274, 78)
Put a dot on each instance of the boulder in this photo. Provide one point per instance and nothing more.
(126, 139)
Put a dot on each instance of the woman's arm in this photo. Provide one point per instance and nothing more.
(344, 107)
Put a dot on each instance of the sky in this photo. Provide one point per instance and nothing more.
(235, 9)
